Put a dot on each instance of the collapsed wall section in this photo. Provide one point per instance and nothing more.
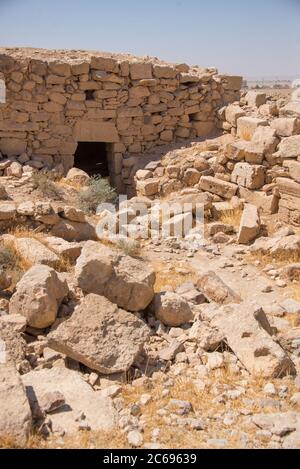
(56, 99)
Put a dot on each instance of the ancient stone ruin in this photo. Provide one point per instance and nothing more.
(100, 112)
(141, 334)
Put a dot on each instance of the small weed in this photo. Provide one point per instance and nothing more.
(97, 192)
(130, 247)
(45, 184)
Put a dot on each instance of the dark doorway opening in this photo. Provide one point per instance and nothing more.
(91, 157)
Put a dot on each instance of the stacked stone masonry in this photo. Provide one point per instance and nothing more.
(56, 99)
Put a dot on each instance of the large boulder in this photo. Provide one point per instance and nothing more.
(171, 309)
(80, 399)
(38, 296)
(15, 414)
(100, 335)
(126, 281)
(247, 332)
(250, 224)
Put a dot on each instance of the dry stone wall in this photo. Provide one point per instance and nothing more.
(55, 99)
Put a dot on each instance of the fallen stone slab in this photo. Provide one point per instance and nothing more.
(34, 252)
(38, 296)
(74, 231)
(213, 287)
(80, 399)
(100, 335)
(126, 281)
(249, 225)
(217, 186)
(245, 328)
(15, 414)
(64, 248)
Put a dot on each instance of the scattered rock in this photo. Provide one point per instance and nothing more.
(171, 309)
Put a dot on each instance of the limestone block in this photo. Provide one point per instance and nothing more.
(250, 176)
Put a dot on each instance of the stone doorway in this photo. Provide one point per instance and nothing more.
(92, 157)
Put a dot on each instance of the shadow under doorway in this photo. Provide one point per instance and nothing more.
(91, 157)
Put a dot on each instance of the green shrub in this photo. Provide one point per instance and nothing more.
(97, 192)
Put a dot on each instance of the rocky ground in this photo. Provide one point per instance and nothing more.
(161, 342)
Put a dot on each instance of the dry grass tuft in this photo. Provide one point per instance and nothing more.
(171, 277)
(8, 442)
(279, 260)
(11, 262)
(232, 217)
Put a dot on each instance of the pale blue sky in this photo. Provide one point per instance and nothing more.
(259, 38)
